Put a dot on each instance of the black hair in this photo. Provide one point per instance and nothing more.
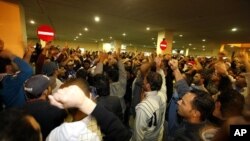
(113, 73)
(101, 83)
(87, 61)
(3, 63)
(232, 102)
(155, 80)
(203, 102)
(15, 126)
(82, 73)
(225, 83)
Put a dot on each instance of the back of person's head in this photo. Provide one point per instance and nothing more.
(113, 73)
(155, 80)
(81, 83)
(232, 103)
(36, 85)
(3, 63)
(82, 73)
(84, 86)
(101, 83)
(49, 68)
(203, 102)
(224, 83)
(86, 64)
(18, 126)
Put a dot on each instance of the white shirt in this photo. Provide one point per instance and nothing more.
(83, 130)
(150, 115)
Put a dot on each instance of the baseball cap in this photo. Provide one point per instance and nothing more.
(35, 85)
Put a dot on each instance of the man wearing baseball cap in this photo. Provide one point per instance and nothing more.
(37, 88)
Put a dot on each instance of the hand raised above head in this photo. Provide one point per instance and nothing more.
(173, 63)
(72, 96)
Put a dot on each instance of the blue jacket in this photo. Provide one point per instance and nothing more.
(173, 118)
(12, 94)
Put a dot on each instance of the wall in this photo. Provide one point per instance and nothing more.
(12, 27)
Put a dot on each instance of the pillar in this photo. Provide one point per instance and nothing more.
(117, 45)
(169, 39)
(12, 27)
(187, 52)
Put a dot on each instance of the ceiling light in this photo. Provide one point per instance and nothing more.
(203, 46)
(181, 35)
(173, 42)
(153, 38)
(86, 29)
(32, 22)
(97, 19)
(203, 40)
(182, 46)
(130, 44)
(194, 48)
(144, 46)
(110, 37)
(101, 39)
(80, 34)
(190, 44)
(76, 37)
(148, 28)
(234, 29)
(124, 34)
(204, 49)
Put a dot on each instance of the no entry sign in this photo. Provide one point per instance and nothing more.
(45, 33)
(163, 44)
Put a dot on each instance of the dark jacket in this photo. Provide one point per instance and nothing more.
(189, 132)
(112, 103)
(47, 115)
(111, 126)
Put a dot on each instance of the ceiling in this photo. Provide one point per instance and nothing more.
(194, 19)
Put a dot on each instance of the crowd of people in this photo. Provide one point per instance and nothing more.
(57, 94)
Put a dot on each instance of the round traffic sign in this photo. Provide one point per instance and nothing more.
(163, 44)
(45, 33)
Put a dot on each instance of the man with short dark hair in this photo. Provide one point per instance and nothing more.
(12, 93)
(150, 112)
(198, 82)
(194, 107)
(112, 103)
(37, 89)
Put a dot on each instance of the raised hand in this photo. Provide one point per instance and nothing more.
(72, 96)
(173, 63)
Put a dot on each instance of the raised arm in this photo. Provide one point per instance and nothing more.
(181, 84)
(111, 126)
(24, 67)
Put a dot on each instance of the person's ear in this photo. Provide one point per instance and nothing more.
(8, 68)
(197, 113)
(217, 105)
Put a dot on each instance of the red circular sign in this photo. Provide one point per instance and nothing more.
(163, 44)
(45, 33)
